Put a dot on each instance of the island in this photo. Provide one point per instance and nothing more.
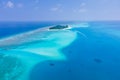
(59, 27)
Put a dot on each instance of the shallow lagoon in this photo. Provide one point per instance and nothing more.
(89, 51)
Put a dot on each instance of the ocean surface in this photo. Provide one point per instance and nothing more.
(88, 51)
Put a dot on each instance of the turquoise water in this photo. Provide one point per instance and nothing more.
(88, 51)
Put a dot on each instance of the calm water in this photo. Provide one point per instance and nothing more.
(93, 55)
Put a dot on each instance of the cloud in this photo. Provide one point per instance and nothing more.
(36, 8)
(19, 5)
(57, 8)
(36, 1)
(82, 4)
(81, 9)
(54, 9)
(10, 4)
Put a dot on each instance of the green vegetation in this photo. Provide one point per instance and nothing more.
(59, 27)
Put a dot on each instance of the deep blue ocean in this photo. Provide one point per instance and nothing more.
(94, 55)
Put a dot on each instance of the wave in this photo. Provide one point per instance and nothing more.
(84, 25)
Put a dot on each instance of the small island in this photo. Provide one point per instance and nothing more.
(59, 27)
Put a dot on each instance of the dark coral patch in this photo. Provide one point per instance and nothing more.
(98, 60)
(51, 64)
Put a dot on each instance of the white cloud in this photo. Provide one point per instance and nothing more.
(58, 8)
(36, 1)
(36, 8)
(82, 4)
(81, 9)
(54, 9)
(20, 5)
(10, 4)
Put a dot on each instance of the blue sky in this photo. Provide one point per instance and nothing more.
(59, 10)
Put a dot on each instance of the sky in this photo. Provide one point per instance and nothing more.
(59, 10)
